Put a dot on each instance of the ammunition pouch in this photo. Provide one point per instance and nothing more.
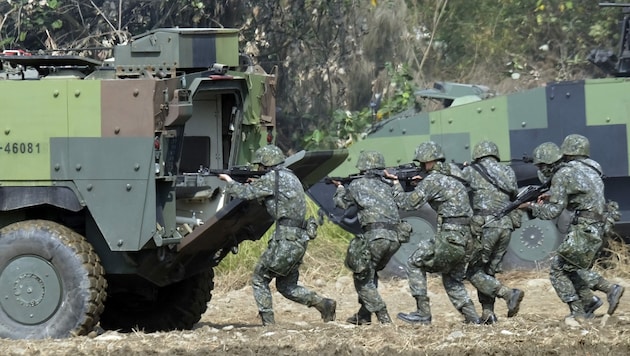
(516, 216)
(476, 224)
(283, 255)
(404, 230)
(591, 215)
(311, 228)
(579, 247)
(358, 256)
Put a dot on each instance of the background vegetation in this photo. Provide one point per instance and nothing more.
(335, 57)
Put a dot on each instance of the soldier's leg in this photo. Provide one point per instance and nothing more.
(563, 285)
(598, 283)
(501, 242)
(366, 282)
(417, 279)
(454, 287)
(289, 288)
(262, 294)
(486, 290)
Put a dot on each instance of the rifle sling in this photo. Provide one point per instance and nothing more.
(593, 168)
(484, 173)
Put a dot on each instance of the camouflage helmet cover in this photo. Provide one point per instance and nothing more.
(429, 151)
(370, 160)
(484, 149)
(269, 156)
(575, 145)
(547, 153)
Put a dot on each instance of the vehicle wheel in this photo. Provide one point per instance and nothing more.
(532, 244)
(178, 306)
(52, 283)
(424, 222)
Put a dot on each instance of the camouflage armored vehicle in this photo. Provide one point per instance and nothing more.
(517, 123)
(108, 209)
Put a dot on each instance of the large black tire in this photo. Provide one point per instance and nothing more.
(424, 222)
(52, 283)
(178, 306)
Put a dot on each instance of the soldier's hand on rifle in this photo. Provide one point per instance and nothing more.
(542, 198)
(336, 182)
(388, 175)
(225, 177)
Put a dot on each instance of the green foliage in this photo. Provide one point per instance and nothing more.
(349, 126)
(333, 56)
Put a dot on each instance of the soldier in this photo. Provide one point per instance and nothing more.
(581, 192)
(576, 150)
(283, 196)
(379, 218)
(493, 186)
(447, 252)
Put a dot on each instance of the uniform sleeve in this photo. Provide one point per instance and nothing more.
(558, 200)
(260, 188)
(409, 200)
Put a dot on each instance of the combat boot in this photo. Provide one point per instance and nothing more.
(383, 316)
(613, 296)
(487, 315)
(326, 308)
(590, 307)
(577, 310)
(513, 299)
(267, 318)
(362, 317)
(470, 314)
(421, 316)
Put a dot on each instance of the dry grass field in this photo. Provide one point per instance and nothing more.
(231, 325)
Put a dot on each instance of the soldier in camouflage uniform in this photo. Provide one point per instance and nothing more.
(581, 192)
(493, 186)
(576, 151)
(379, 218)
(283, 196)
(447, 252)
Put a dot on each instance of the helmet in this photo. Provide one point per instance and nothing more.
(429, 151)
(576, 145)
(269, 156)
(484, 149)
(547, 153)
(370, 160)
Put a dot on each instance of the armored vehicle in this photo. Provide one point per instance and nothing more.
(517, 123)
(108, 208)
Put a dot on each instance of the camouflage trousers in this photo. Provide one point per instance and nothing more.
(383, 244)
(286, 284)
(446, 255)
(486, 262)
(574, 255)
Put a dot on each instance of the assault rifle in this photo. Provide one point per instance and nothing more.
(529, 193)
(404, 172)
(239, 173)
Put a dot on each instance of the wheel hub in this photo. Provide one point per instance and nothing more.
(535, 240)
(30, 289)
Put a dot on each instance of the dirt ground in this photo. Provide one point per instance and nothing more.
(231, 326)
